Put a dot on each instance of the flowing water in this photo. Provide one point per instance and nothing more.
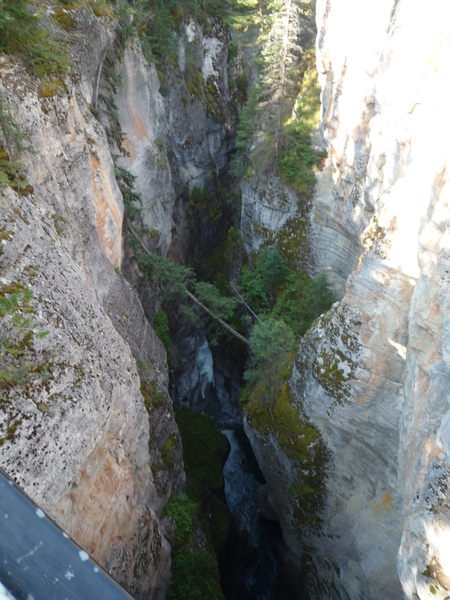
(251, 563)
(254, 569)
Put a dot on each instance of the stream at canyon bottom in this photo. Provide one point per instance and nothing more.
(253, 564)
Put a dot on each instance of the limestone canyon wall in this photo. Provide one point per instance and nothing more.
(180, 140)
(372, 374)
(74, 431)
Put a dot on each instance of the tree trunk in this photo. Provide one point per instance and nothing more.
(196, 301)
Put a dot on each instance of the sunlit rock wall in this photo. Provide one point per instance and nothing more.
(372, 375)
(74, 432)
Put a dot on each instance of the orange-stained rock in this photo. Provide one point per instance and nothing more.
(75, 433)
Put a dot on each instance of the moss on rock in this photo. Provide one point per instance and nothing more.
(204, 451)
(302, 444)
(330, 351)
(168, 449)
(201, 518)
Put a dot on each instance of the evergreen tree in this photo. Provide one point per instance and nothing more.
(272, 345)
(245, 15)
(245, 132)
(18, 26)
(159, 34)
(272, 288)
(261, 284)
(280, 73)
(262, 129)
(12, 142)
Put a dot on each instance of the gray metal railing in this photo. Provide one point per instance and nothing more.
(38, 561)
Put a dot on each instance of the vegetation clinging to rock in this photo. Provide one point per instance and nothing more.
(21, 33)
(201, 517)
(273, 288)
(16, 368)
(282, 110)
(12, 143)
(300, 442)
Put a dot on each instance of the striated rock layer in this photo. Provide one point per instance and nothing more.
(372, 374)
(93, 444)
(74, 431)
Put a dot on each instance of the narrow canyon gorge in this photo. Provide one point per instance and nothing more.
(278, 167)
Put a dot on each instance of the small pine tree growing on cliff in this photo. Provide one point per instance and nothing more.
(272, 345)
(20, 32)
(12, 142)
(245, 14)
(262, 128)
(158, 35)
(245, 132)
(18, 333)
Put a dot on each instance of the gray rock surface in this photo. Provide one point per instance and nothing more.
(142, 114)
(74, 431)
(371, 375)
(267, 205)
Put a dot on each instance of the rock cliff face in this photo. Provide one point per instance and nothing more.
(371, 374)
(74, 431)
(267, 206)
(179, 141)
(94, 444)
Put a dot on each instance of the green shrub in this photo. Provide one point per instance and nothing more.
(303, 300)
(19, 332)
(233, 50)
(64, 18)
(272, 287)
(161, 327)
(195, 569)
(205, 449)
(101, 8)
(48, 89)
(168, 449)
(192, 73)
(9, 171)
(12, 139)
(195, 576)
(18, 26)
(152, 395)
(298, 159)
(20, 32)
(47, 58)
(183, 510)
